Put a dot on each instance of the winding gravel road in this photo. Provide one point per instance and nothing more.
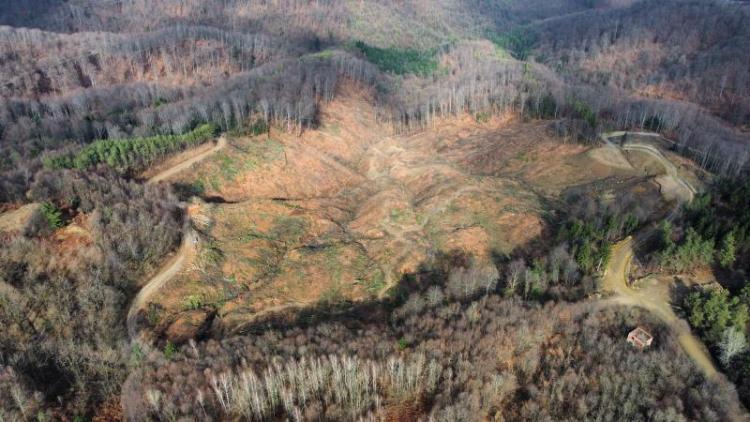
(189, 244)
(615, 277)
(157, 282)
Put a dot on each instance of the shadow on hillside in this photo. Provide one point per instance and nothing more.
(354, 314)
(28, 13)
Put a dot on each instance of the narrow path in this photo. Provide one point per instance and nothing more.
(173, 267)
(158, 281)
(174, 170)
(615, 277)
(668, 166)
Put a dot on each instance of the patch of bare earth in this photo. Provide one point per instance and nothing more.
(14, 221)
(340, 213)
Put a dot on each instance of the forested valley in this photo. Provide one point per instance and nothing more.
(95, 94)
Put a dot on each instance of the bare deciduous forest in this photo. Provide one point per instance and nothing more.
(92, 93)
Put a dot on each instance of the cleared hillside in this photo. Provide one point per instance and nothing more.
(343, 213)
(412, 193)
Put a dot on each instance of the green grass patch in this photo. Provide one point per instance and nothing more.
(169, 350)
(402, 343)
(244, 155)
(213, 180)
(525, 157)
(333, 128)
(397, 215)
(332, 295)
(193, 302)
(377, 282)
(258, 152)
(289, 230)
(257, 127)
(227, 166)
(153, 314)
(333, 263)
(483, 117)
(292, 206)
(483, 220)
(361, 265)
(325, 54)
(211, 254)
(159, 102)
(252, 234)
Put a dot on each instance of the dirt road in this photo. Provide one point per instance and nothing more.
(158, 281)
(668, 166)
(173, 267)
(615, 280)
(172, 171)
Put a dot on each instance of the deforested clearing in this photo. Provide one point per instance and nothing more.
(225, 210)
(342, 215)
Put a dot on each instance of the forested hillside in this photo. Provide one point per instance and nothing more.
(687, 51)
(141, 68)
(95, 92)
(491, 358)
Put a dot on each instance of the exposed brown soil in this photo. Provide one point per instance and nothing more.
(341, 212)
(188, 325)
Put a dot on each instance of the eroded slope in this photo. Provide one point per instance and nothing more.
(343, 212)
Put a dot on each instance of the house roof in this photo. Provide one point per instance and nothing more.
(641, 335)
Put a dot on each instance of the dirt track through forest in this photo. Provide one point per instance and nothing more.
(173, 267)
(178, 168)
(158, 281)
(615, 280)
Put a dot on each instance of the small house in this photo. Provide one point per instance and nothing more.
(640, 338)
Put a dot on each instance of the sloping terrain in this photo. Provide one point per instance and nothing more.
(656, 298)
(343, 212)
(410, 165)
(16, 220)
(492, 360)
(686, 51)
